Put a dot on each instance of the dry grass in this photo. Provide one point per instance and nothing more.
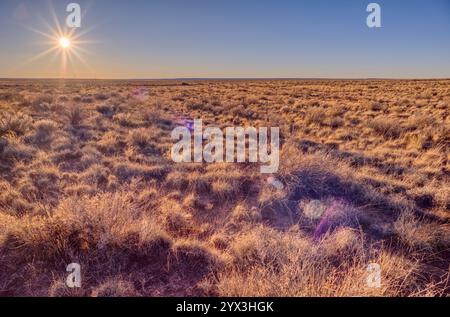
(86, 177)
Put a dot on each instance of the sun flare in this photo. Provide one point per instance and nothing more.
(64, 42)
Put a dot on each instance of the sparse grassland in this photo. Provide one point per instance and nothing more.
(86, 177)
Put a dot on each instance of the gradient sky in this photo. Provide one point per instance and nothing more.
(232, 38)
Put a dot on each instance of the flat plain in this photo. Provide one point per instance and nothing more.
(86, 177)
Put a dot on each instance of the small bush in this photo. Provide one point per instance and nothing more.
(178, 223)
(42, 102)
(128, 171)
(377, 106)
(12, 151)
(115, 288)
(388, 128)
(106, 110)
(139, 138)
(123, 119)
(101, 97)
(315, 116)
(420, 235)
(12, 202)
(242, 214)
(110, 143)
(44, 132)
(17, 124)
(195, 259)
(224, 190)
(75, 115)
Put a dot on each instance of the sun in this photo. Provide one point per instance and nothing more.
(64, 42)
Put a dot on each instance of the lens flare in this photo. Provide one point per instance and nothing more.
(64, 42)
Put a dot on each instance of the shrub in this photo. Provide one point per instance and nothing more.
(195, 259)
(336, 122)
(12, 202)
(17, 124)
(420, 235)
(377, 106)
(42, 183)
(242, 214)
(106, 110)
(128, 171)
(44, 132)
(101, 96)
(42, 102)
(115, 287)
(12, 151)
(75, 115)
(124, 119)
(315, 116)
(388, 128)
(96, 175)
(110, 143)
(224, 190)
(104, 231)
(178, 223)
(139, 138)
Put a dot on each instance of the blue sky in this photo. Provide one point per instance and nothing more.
(231, 38)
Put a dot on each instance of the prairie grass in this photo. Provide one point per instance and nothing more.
(86, 177)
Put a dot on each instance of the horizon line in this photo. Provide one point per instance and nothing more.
(228, 78)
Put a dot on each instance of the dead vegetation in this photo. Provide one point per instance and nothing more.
(86, 177)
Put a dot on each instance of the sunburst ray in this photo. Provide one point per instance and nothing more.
(65, 43)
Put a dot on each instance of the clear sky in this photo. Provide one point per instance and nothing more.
(230, 38)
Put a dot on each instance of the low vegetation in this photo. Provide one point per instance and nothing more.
(86, 177)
